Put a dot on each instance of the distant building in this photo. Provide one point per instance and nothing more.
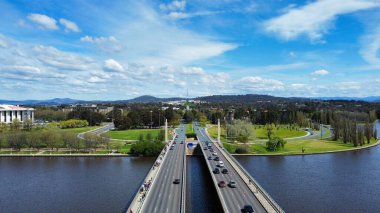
(91, 107)
(10, 112)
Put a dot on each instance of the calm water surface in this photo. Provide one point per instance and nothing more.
(70, 184)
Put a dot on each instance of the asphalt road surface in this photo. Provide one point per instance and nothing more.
(165, 196)
(233, 199)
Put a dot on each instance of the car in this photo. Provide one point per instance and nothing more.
(216, 158)
(216, 171)
(205, 148)
(176, 181)
(224, 171)
(209, 157)
(232, 184)
(215, 154)
(222, 184)
(221, 164)
(181, 142)
(174, 142)
(247, 209)
(171, 148)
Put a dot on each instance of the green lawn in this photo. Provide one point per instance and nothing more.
(295, 147)
(261, 133)
(21, 152)
(189, 128)
(132, 134)
(81, 129)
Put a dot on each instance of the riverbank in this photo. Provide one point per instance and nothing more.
(312, 153)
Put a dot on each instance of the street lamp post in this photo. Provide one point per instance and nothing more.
(151, 120)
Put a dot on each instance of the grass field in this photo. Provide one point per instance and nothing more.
(261, 133)
(132, 134)
(81, 129)
(189, 128)
(295, 147)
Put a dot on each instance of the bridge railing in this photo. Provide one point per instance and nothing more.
(259, 188)
(183, 194)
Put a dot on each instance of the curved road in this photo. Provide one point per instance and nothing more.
(164, 196)
(233, 199)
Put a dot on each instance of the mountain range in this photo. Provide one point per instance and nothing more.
(214, 98)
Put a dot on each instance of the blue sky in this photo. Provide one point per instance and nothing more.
(120, 49)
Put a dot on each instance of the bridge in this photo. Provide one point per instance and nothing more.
(164, 188)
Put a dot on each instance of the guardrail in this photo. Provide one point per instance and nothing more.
(269, 199)
(183, 194)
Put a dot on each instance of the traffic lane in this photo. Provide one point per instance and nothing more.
(159, 200)
(163, 181)
(171, 190)
(241, 195)
(235, 198)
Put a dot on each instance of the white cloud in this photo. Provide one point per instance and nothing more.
(258, 84)
(173, 6)
(112, 65)
(69, 25)
(43, 21)
(320, 72)
(184, 15)
(314, 19)
(108, 44)
(370, 46)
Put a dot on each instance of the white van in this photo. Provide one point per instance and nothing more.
(221, 164)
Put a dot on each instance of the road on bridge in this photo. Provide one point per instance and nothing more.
(165, 196)
(232, 199)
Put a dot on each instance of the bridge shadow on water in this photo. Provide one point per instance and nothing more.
(201, 195)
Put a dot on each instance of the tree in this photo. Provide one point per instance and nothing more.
(70, 140)
(149, 137)
(241, 129)
(269, 128)
(275, 143)
(16, 124)
(16, 139)
(33, 140)
(27, 125)
(368, 131)
(123, 123)
(52, 139)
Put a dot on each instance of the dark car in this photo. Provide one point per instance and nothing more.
(181, 142)
(216, 171)
(222, 184)
(210, 158)
(216, 158)
(174, 142)
(224, 171)
(205, 148)
(176, 181)
(247, 209)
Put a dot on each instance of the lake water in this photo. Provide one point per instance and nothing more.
(341, 182)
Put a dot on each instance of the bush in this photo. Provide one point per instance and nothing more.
(191, 135)
(73, 123)
(242, 150)
(147, 148)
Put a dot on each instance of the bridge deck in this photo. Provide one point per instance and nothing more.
(163, 195)
(246, 193)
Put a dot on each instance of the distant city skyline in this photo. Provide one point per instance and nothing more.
(112, 50)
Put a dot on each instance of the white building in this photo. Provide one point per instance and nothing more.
(10, 112)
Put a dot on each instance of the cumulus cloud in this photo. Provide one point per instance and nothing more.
(314, 19)
(173, 6)
(43, 21)
(108, 44)
(320, 72)
(69, 25)
(112, 65)
(258, 84)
